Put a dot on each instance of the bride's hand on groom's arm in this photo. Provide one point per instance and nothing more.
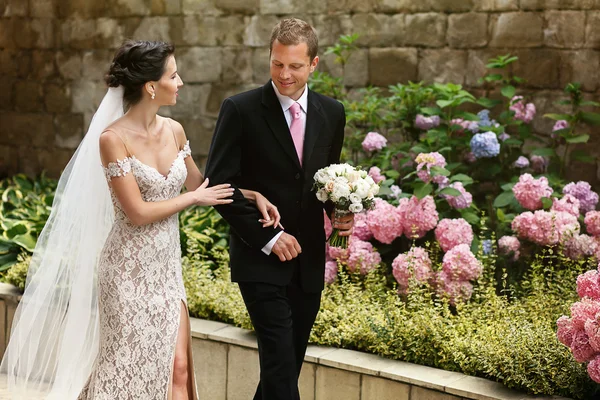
(211, 196)
(270, 214)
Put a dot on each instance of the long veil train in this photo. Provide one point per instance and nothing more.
(55, 332)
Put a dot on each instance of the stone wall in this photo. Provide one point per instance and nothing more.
(53, 54)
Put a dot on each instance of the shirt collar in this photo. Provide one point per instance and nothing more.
(286, 102)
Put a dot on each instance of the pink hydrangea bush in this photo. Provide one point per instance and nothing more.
(580, 246)
(509, 245)
(456, 291)
(567, 204)
(415, 264)
(581, 332)
(592, 222)
(453, 232)
(374, 142)
(417, 216)
(361, 227)
(362, 257)
(464, 200)
(546, 228)
(582, 190)
(523, 112)
(530, 191)
(424, 163)
(384, 222)
(331, 271)
(461, 264)
(375, 173)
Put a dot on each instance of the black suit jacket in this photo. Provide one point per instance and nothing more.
(252, 148)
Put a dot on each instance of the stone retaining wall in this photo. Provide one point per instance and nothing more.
(226, 367)
(53, 54)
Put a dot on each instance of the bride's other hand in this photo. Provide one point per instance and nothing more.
(211, 196)
(269, 212)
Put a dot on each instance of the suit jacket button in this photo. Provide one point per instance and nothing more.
(297, 176)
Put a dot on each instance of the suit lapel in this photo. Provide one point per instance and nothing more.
(273, 114)
(314, 123)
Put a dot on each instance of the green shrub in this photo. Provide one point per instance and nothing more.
(17, 274)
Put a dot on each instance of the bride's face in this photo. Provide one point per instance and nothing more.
(169, 84)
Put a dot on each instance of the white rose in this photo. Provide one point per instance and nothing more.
(375, 189)
(321, 176)
(353, 176)
(361, 188)
(340, 191)
(329, 186)
(322, 195)
(356, 207)
(369, 180)
(354, 198)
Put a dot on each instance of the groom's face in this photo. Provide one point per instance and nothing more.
(291, 67)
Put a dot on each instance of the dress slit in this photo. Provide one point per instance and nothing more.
(192, 389)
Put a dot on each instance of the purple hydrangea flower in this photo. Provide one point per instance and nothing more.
(426, 123)
(582, 191)
(521, 162)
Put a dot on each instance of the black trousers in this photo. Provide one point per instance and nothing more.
(283, 317)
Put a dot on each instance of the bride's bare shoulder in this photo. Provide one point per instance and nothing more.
(111, 141)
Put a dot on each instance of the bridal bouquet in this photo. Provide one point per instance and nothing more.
(349, 189)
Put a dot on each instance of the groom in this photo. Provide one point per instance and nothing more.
(272, 140)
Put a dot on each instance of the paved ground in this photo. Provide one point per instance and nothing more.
(4, 392)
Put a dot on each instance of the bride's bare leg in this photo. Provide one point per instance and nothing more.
(181, 378)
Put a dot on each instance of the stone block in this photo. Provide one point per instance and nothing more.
(402, 6)
(129, 8)
(249, 7)
(153, 28)
(192, 101)
(334, 383)
(201, 328)
(580, 66)
(378, 29)
(306, 382)
(496, 5)
(558, 4)
(374, 388)
(43, 8)
(7, 94)
(15, 8)
(95, 64)
(27, 33)
(389, 66)
(471, 385)
(57, 97)
(260, 65)
(330, 27)
(110, 33)
(86, 96)
(231, 30)
(258, 30)
(69, 130)
(27, 129)
(242, 372)
(9, 165)
(42, 64)
(210, 360)
(82, 8)
(539, 67)
(356, 71)
(200, 31)
(292, 6)
(70, 64)
(452, 6)
(53, 161)
(237, 66)
(592, 33)
(425, 29)
(419, 375)
(165, 7)
(28, 96)
(78, 33)
(476, 62)
(204, 7)
(349, 6)
(468, 30)
(218, 93)
(419, 393)
(516, 30)
(443, 66)
(200, 64)
(7, 40)
(565, 29)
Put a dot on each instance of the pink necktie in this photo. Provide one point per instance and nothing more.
(296, 129)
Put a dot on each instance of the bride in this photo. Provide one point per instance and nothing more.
(104, 312)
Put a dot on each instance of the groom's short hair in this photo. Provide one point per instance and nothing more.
(293, 31)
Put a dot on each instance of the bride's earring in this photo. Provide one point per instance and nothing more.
(153, 96)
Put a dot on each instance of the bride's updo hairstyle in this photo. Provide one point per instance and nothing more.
(134, 64)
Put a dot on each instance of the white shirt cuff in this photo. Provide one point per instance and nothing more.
(269, 246)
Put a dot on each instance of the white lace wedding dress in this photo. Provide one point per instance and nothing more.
(140, 294)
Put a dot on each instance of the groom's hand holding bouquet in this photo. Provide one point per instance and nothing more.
(350, 190)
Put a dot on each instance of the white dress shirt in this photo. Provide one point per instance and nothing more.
(286, 102)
